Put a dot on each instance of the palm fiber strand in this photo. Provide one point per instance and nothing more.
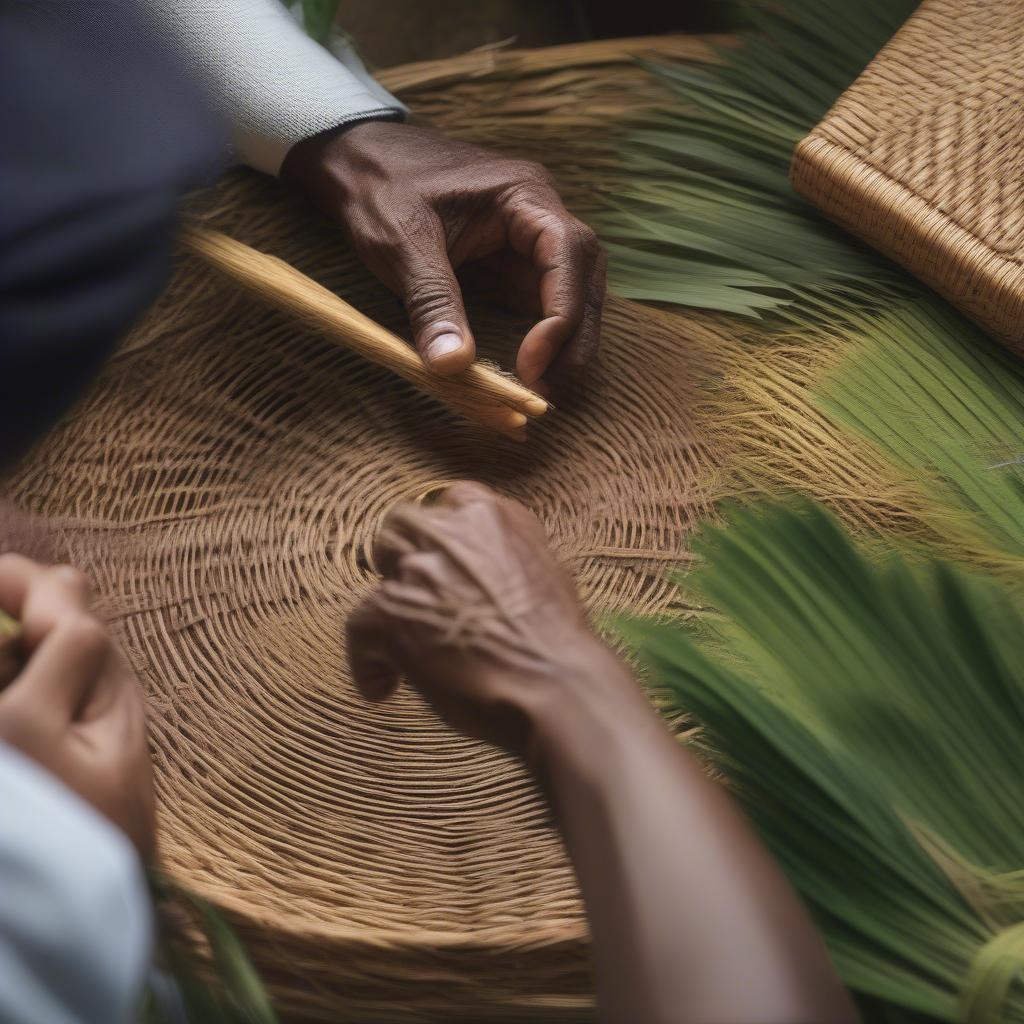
(222, 483)
(923, 157)
(890, 794)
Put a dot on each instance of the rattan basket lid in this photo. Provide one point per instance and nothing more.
(923, 157)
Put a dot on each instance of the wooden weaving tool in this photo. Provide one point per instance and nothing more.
(480, 393)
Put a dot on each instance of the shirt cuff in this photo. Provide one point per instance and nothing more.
(275, 84)
(76, 926)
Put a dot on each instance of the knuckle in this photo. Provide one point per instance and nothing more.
(87, 633)
(428, 297)
(531, 171)
(532, 187)
(588, 237)
(462, 491)
(422, 565)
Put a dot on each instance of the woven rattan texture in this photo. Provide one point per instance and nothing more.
(923, 157)
(222, 483)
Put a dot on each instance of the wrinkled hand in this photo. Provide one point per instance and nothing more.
(476, 613)
(419, 206)
(76, 707)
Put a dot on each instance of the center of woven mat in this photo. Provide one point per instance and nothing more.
(223, 483)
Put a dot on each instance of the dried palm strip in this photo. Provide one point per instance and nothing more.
(479, 393)
(499, 59)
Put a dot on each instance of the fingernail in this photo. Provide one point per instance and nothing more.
(514, 420)
(443, 345)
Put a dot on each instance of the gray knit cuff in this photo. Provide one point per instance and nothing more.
(275, 85)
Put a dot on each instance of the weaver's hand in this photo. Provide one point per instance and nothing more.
(75, 706)
(419, 206)
(680, 896)
(477, 614)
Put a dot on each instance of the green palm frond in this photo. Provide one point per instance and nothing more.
(708, 173)
(871, 718)
(706, 218)
(946, 404)
(228, 990)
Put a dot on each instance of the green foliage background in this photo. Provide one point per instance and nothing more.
(866, 703)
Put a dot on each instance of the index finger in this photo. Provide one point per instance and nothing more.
(40, 596)
(581, 348)
(462, 492)
(570, 263)
(17, 574)
(370, 639)
(60, 675)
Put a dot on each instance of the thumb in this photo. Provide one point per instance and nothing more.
(433, 301)
(369, 657)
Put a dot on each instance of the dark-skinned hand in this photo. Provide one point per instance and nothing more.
(418, 207)
(477, 614)
(75, 707)
(681, 897)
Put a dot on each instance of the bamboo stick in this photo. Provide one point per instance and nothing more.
(479, 392)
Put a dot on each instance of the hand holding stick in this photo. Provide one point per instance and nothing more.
(479, 393)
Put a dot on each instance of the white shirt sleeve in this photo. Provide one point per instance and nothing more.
(275, 84)
(76, 924)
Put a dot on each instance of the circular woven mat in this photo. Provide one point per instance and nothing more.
(222, 483)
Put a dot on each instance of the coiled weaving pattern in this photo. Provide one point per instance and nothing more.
(222, 484)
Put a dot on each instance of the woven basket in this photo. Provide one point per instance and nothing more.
(222, 483)
(923, 157)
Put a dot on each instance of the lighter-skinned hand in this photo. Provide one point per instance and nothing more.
(75, 707)
(419, 206)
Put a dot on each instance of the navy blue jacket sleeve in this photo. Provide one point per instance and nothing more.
(100, 141)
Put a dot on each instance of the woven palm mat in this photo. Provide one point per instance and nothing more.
(222, 483)
(923, 157)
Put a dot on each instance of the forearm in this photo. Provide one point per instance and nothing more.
(691, 921)
(690, 918)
